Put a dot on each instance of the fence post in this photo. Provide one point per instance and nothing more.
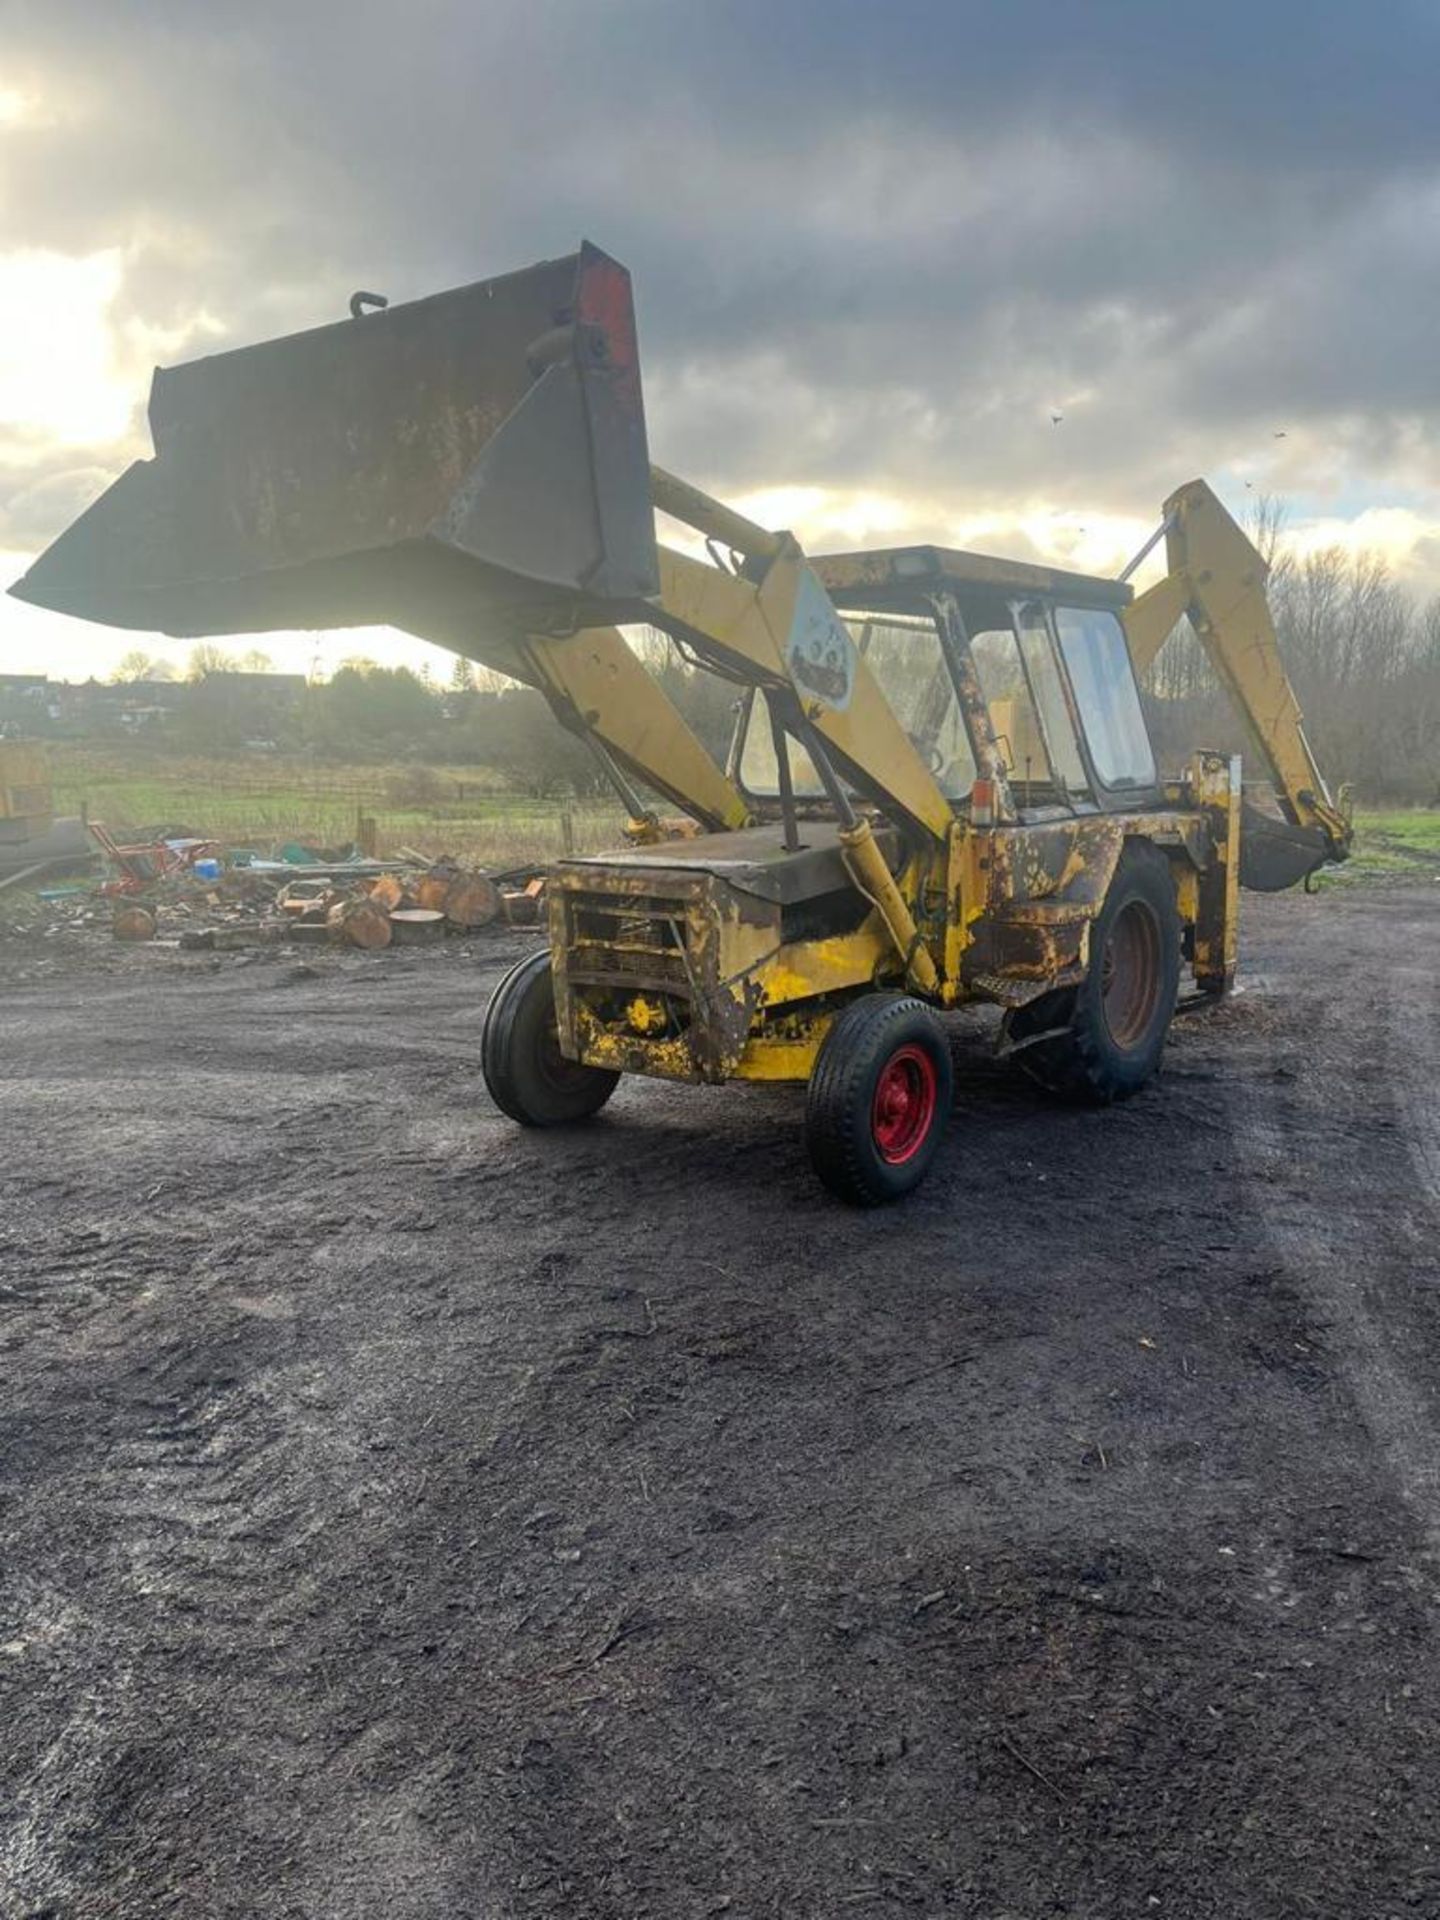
(567, 833)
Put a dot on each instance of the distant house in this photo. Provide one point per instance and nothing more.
(138, 704)
(28, 703)
(119, 706)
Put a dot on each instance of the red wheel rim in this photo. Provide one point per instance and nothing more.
(903, 1110)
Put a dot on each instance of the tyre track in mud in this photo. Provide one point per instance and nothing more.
(409, 1515)
(217, 1473)
(1415, 1043)
(1360, 1243)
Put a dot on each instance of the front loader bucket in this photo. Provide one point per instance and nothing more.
(478, 453)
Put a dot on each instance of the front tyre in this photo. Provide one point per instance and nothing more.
(877, 1102)
(528, 1076)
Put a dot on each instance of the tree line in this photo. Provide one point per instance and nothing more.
(1362, 652)
(368, 711)
(1363, 655)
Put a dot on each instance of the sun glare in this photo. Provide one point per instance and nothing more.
(59, 381)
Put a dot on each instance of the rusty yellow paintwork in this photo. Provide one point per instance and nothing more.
(1216, 784)
(27, 791)
(768, 1057)
(807, 969)
(1005, 912)
(877, 883)
(903, 568)
(672, 971)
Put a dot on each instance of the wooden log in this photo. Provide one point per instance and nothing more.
(359, 923)
(387, 891)
(133, 922)
(521, 909)
(416, 926)
(432, 889)
(473, 900)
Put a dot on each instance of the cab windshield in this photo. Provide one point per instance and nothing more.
(906, 658)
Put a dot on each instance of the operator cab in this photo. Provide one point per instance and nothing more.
(961, 643)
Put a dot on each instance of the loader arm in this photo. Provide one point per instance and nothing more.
(1217, 578)
(598, 689)
(756, 625)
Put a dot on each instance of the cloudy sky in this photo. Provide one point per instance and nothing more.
(876, 247)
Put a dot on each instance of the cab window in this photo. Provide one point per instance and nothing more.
(1098, 661)
(1013, 720)
(1050, 699)
(906, 659)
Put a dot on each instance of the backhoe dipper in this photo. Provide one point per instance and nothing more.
(941, 787)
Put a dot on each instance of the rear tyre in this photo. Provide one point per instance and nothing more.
(528, 1076)
(1105, 1037)
(877, 1102)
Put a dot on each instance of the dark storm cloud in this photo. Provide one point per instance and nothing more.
(874, 246)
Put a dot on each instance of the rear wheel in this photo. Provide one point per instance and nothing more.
(876, 1106)
(528, 1076)
(1101, 1041)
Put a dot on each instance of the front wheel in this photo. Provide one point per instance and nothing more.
(528, 1076)
(878, 1099)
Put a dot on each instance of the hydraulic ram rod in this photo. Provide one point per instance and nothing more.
(711, 517)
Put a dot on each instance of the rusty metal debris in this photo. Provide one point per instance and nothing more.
(187, 892)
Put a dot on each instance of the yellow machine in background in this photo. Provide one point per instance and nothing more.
(941, 787)
(27, 794)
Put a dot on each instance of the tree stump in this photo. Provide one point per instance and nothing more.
(133, 922)
(416, 926)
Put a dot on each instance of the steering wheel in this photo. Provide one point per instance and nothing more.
(928, 751)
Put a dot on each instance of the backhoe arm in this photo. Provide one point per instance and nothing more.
(1217, 578)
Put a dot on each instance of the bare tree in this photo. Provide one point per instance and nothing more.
(206, 658)
(139, 665)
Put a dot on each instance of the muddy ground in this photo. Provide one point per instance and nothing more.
(406, 1516)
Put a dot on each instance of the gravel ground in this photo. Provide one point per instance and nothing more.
(405, 1515)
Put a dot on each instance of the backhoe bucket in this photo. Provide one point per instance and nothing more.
(474, 455)
(1275, 853)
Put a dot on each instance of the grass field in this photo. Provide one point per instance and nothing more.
(255, 800)
(260, 802)
(1394, 845)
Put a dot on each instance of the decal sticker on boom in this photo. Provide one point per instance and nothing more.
(820, 654)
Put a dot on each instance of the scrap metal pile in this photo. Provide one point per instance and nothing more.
(184, 890)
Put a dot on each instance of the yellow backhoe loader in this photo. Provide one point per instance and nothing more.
(941, 787)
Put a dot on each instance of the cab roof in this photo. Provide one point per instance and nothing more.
(892, 578)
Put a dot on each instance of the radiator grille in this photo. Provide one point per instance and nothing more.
(615, 940)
